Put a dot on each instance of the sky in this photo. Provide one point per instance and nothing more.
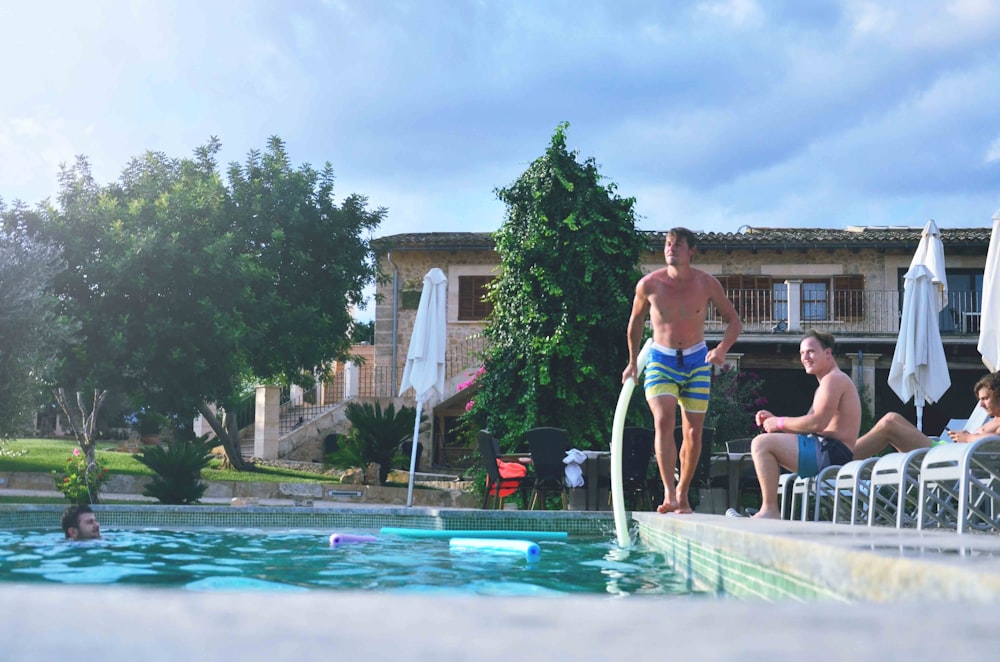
(712, 115)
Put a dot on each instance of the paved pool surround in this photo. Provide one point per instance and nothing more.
(899, 594)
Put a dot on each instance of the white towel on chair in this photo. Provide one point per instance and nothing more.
(574, 474)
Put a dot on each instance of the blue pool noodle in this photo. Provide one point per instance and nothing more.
(507, 535)
(527, 548)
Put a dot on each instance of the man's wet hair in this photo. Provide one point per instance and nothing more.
(826, 340)
(71, 516)
(682, 233)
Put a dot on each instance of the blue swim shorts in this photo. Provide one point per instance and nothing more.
(817, 453)
(681, 373)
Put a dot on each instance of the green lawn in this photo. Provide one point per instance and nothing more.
(47, 455)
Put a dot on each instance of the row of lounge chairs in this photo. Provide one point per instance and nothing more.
(953, 486)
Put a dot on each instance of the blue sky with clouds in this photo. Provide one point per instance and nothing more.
(712, 114)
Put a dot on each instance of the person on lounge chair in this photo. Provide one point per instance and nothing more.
(806, 444)
(894, 430)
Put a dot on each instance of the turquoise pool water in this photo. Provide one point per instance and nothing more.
(302, 560)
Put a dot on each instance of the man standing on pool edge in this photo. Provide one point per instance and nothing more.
(679, 370)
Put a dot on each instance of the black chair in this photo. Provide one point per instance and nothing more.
(747, 482)
(702, 479)
(637, 451)
(548, 447)
(496, 486)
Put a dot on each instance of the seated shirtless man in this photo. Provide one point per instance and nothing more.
(892, 429)
(679, 369)
(824, 436)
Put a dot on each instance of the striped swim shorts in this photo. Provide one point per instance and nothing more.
(681, 373)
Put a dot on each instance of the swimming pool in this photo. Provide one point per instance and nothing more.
(303, 560)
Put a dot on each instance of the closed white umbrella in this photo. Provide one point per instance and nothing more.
(930, 253)
(919, 368)
(989, 318)
(425, 358)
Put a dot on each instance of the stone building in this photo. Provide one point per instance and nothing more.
(782, 281)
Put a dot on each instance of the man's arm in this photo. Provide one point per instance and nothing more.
(825, 403)
(636, 322)
(734, 325)
(989, 428)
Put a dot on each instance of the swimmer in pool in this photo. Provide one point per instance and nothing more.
(80, 523)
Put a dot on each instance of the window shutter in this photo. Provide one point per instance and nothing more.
(849, 298)
(472, 303)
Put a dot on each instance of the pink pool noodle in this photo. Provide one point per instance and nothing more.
(344, 538)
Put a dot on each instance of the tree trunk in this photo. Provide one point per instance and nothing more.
(228, 434)
(81, 421)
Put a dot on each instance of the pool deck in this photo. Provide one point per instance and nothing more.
(899, 594)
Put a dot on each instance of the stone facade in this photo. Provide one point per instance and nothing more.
(789, 256)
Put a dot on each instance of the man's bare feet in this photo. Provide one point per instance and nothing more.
(667, 506)
(768, 514)
(679, 507)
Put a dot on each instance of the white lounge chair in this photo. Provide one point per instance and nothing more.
(851, 490)
(816, 487)
(894, 489)
(960, 486)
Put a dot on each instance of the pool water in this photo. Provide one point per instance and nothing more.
(216, 559)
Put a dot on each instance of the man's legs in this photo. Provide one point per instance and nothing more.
(890, 429)
(771, 452)
(693, 424)
(664, 409)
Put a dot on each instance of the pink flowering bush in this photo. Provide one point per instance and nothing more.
(77, 481)
(735, 397)
(466, 384)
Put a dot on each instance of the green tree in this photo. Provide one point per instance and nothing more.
(32, 330)
(569, 249)
(190, 286)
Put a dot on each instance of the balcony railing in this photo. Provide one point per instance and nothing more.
(843, 312)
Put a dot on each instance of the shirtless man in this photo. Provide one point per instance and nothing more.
(810, 443)
(904, 436)
(679, 369)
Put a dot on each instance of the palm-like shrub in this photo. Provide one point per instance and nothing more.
(178, 466)
(375, 436)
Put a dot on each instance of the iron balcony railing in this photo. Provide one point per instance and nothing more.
(843, 312)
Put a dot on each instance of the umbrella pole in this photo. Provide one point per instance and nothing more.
(920, 418)
(413, 454)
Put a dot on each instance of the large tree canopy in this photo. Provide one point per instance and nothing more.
(32, 331)
(569, 250)
(189, 285)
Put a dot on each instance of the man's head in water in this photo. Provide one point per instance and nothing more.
(79, 523)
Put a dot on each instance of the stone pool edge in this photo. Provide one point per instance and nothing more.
(778, 560)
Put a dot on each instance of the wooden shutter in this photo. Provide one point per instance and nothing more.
(849, 298)
(472, 303)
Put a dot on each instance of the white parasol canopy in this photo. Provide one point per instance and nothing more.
(425, 358)
(930, 253)
(989, 319)
(919, 368)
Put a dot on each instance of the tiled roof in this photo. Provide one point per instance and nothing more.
(747, 238)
